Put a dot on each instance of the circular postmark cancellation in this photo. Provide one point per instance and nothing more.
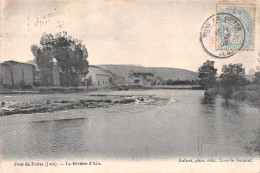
(222, 35)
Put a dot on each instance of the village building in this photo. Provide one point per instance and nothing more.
(97, 77)
(14, 73)
(140, 78)
(116, 80)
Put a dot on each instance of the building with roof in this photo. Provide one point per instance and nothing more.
(14, 73)
(115, 79)
(140, 78)
(97, 77)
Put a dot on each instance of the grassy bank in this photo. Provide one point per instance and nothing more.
(250, 93)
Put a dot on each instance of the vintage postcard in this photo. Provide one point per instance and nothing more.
(129, 86)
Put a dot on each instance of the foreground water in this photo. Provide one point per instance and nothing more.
(187, 126)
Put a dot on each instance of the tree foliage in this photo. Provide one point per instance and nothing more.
(258, 67)
(256, 78)
(71, 54)
(233, 76)
(207, 75)
(179, 82)
(257, 73)
(44, 60)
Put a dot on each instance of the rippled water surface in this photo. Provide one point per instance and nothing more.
(188, 126)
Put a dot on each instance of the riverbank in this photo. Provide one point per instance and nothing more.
(49, 103)
(51, 90)
(249, 94)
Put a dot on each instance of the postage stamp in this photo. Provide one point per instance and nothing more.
(228, 29)
(230, 38)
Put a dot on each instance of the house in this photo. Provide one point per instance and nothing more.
(117, 80)
(97, 77)
(14, 73)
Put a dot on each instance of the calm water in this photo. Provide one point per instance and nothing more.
(188, 127)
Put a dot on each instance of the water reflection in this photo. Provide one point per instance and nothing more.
(208, 100)
(190, 127)
(226, 127)
(46, 139)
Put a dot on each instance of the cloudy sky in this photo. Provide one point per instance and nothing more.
(147, 33)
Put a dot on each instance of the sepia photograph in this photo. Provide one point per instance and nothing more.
(129, 86)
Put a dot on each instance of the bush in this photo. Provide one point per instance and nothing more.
(239, 95)
(226, 93)
(211, 92)
(115, 87)
(25, 86)
(37, 83)
(253, 87)
(253, 96)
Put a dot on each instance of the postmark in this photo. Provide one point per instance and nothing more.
(230, 34)
(246, 14)
(228, 29)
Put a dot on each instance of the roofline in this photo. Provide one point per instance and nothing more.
(103, 74)
(99, 73)
(11, 61)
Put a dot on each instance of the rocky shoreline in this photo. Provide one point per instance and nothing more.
(42, 106)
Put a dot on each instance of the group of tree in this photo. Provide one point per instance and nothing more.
(207, 75)
(69, 53)
(160, 81)
(232, 78)
(180, 82)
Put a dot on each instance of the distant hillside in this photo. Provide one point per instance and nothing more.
(165, 73)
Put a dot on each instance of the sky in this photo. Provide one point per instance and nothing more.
(148, 33)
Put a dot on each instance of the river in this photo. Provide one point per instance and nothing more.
(188, 126)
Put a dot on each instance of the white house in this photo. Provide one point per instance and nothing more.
(98, 77)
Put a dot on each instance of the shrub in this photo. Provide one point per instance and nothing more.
(211, 92)
(226, 93)
(253, 87)
(239, 95)
(253, 96)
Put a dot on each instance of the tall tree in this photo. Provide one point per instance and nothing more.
(256, 78)
(71, 55)
(257, 73)
(258, 67)
(207, 75)
(44, 60)
(233, 76)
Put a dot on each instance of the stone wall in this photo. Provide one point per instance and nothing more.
(5, 75)
(15, 73)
